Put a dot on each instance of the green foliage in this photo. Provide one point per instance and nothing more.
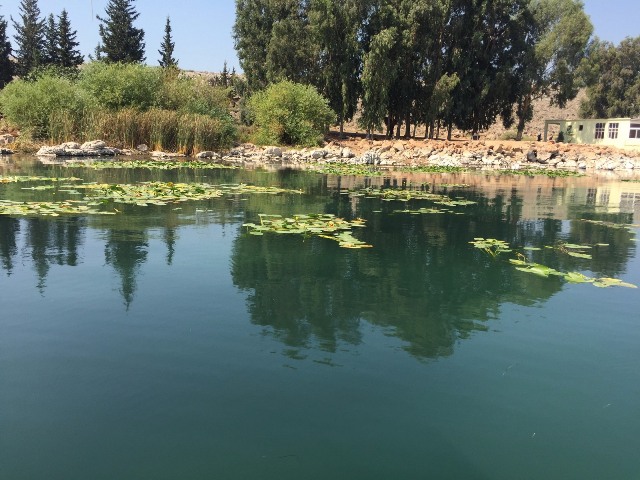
(121, 85)
(491, 246)
(6, 65)
(290, 113)
(68, 54)
(613, 78)
(192, 95)
(29, 37)
(121, 41)
(31, 105)
(167, 47)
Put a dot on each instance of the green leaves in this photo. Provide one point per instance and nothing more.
(321, 225)
(491, 246)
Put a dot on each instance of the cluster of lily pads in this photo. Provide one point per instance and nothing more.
(48, 209)
(28, 178)
(149, 164)
(321, 225)
(404, 195)
(495, 247)
(142, 194)
(553, 173)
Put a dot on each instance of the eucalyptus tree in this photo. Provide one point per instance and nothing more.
(292, 52)
(336, 27)
(487, 49)
(68, 54)
(252, 34)
(613, 78)
(6, 65)
(121, 41)
(558, 41)
(167, 47)
(29, 37)
(51, 42)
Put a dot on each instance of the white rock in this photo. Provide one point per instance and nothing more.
(273, 151)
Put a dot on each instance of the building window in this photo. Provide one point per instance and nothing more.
(599, 131)
(634, 132)
(613, 131)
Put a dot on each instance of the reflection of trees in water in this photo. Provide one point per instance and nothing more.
(9, 230)
(126, 251)
(422, 281)
(53, 243)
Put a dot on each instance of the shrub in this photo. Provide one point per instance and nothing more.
(31, 105)
(290, 113)
(121, 85)
(192, 95)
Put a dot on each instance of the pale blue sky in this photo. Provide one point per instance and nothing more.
(202, 28)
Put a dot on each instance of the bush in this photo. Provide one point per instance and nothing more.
(121, 85)
(31, 105)
(290, 113)
(192, 95)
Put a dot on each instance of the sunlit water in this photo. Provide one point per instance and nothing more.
(170, 344)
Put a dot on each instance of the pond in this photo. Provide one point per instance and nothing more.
(164, 340)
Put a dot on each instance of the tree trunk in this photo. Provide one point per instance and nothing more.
(449, 129)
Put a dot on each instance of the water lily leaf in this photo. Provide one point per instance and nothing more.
(605, 282)
(577, 277)
(580, 255)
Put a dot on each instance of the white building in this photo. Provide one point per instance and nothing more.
(616, 132)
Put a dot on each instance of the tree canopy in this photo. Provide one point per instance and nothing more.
(6, 65)
(29, 37)
(417, 62)
(121, 41)
(613, 78)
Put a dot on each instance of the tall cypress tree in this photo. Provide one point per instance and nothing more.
(121, 41)
(50, 52)
(166, 49)
(29, 37)
(6, 65)
(68, 54)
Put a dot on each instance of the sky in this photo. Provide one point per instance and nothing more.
(202, 28)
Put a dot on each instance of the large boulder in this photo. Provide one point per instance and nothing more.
(273, 151)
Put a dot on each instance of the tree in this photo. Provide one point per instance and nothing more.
(121, 41)
(613, 78)
(557, 44)
(336, 26)
(29, 37)
(166, 49)
(51, 42)
(68, 54)
(6, 65)
(251, 34)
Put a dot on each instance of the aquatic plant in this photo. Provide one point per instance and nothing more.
(531, 172)
(491, 246)
(321, 225)
(48, 209)
(149, 164)
(345, 169)
(26, 178)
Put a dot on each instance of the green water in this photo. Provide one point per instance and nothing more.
(169, 344)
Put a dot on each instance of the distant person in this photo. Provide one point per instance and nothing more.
(539, 137)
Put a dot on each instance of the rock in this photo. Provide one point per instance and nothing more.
(206, 154)
(6, 151)
(6, 139)
(532, 155)
(370, 158)
(346, 153)
(93, 145)
(56, 151)
(273, 151)
(71, 146)
(142, 148)
(318, 154)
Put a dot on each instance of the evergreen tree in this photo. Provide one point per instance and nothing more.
(29, 37)
(6, 65)
(68, 54)
(224, 76)
(121, 41)
(50, 51)
(166, 49)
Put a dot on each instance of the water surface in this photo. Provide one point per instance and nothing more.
(162, 343)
